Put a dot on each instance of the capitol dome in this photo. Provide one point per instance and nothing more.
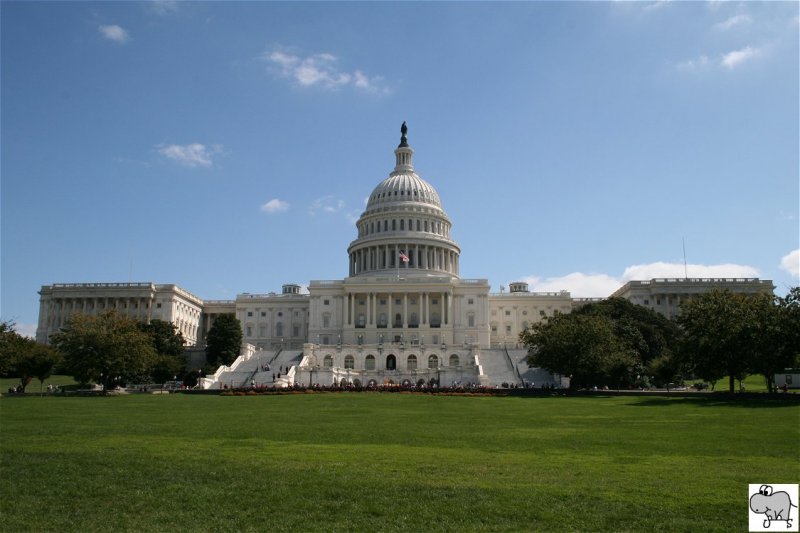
(404, 225)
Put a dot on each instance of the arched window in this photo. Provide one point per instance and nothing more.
(391, 362)
(382, 320)
(369, 362)
(349, 361)
(412, 321)
(433, 362)
(454, 360)
(279, 329)
(402, 224)
(435, 320)
(471, 320)
(412, 362)
(398, 320)
(327, 362)
(362, 320)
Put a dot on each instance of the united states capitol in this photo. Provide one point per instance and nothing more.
(402, 316)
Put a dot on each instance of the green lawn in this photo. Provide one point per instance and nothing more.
(373, 462)
(35, 385)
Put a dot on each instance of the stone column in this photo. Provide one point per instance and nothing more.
(405, 310)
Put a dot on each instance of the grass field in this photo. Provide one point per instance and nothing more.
(374, 462)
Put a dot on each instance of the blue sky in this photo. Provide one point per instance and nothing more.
(230, 147)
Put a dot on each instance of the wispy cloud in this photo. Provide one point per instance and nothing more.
(791, 263)
(597, 285)
(737, 57)
(115, 33)
(729, 60)
(321, 70)
(326, 204)
(694, 64)
(190, 155)
(653, 6)
(736, 20)
(275, 206)
(163, 7)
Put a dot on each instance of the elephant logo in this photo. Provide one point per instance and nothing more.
(774, 507)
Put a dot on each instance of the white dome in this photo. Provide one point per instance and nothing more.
(403, 187)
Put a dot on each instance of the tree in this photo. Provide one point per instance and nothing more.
(105, 347)
(776, 335)
(168, 344)
(724, 333)
(584, 347)
(24, 358)
(609, 342)
(224, 340)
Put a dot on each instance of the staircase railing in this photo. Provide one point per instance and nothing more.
(513, 366)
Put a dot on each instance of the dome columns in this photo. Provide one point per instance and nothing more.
(382, 257)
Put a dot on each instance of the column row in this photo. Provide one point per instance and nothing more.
(384, 257)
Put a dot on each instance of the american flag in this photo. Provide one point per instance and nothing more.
(403, 257)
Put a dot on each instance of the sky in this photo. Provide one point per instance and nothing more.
(230, 147)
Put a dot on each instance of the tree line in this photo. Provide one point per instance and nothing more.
(113, 349)
(718, 334)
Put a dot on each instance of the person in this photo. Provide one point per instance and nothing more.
(785, 388)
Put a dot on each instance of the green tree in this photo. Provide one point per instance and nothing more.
(724, 334)
(584, 347)
(168, 344)
(224, 340)
(775, 334)
(24, 358)
(105, 347)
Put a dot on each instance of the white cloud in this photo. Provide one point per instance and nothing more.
(581, 285)
(737, 57)
(164, 7)
(677, 270)
(26, 330)
(694, 64)
(190, 155)
(326, 204)
(653, 6)
(733, 21)
(791, 263)
(275, 206)
(115, 33)
(321, 70)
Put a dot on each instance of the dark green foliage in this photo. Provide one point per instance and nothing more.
(168, 344)
(605, 343)
(224, 340)
(733, 335)
(24, 358)
(107, 348)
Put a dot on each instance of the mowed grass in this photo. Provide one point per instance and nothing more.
(383, 462)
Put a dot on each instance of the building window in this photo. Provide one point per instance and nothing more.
(369, 362)
(263, 313)
(326, 340)
(508, 313)
(454, 360)
(326, 320)
(646, 302)
(470, 301)
(508, 329)
(397, 301)
(349, 362)
(326, 302)
(295, 330)
(158, 306)
(280, 313)
(494, 329)
(249, 313)
(471, 320)
(327, 362)
(524, 313)
(360, 302)
(434, 301)
(412, 362)
(542, 313)
(262, 331)
(249, 331)
(433, 362)
(279, 329)
(383, 301)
